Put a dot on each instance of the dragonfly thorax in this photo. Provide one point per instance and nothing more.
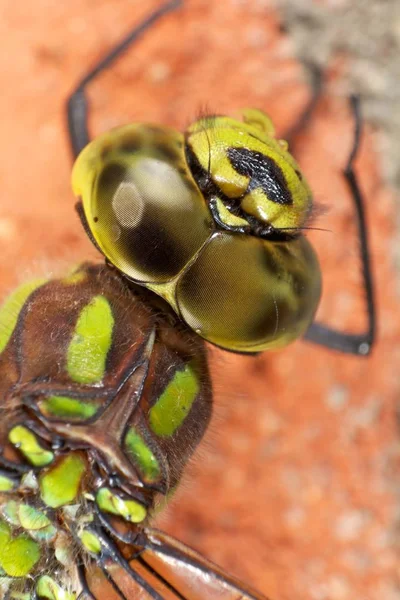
(109, 401)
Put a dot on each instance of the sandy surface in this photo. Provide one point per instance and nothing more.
(295, 489)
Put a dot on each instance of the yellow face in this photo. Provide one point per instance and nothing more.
(253, 175)
(210, 220)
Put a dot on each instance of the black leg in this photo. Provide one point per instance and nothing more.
(319, 333)
(77, 104)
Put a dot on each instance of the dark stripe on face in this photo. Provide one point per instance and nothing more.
(263, 172)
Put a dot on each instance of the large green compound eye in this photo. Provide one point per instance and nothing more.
(141, 203)
(248, 295)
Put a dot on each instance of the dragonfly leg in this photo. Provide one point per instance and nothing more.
(320, 333)
(77, 103)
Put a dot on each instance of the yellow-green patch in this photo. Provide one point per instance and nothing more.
(90, 541)
(31, 518)
(174, 404)
(18, 595)
(77, 275)
(91, 342)
(130, 510)
(5, 533)
(60, 484)
(142, 455)
(6, 484)
(63, 407)
(28, 444)
(227, 217)
(11, 308)
(17, 555)
(47, 588)
(9, 511)
(47, 534)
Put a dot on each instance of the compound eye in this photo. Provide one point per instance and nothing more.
(141, 201)
(248, 295)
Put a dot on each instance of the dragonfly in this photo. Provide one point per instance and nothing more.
(105, 386)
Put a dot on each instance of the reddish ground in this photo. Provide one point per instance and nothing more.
(296, 487)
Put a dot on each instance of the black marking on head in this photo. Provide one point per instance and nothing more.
(211, 191)
(263, 172)
(168, 152)
(160, 257)
(111, 176)
(131, 145)
(106, 150)
(200, 175)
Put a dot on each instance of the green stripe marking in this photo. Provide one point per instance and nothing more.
(31, 518)
(27, 443)
(18, 555)
(141, 455)
(10, 512)
(6, 484)
(130, 510)
(47, 588)
(11, 308)
(68, 408)
(91, 342)
(174, 404)
(60, 484)
(90, 541)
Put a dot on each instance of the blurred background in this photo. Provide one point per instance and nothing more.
(296, 487)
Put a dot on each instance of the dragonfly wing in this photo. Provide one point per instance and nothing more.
(162, 568)
(188, 574)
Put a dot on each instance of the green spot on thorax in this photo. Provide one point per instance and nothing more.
(33, 521)
(18, 555)
(6, 484)
(11, 308)
(60, 484)
(10, 512)
(90, 541)
(31, 518)
(76, 276)
(27, 443)
(47, 588)
(174, 404)
(142, 455)
(91, 342)
(67, 408)
(130, 510)
(5, 533)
